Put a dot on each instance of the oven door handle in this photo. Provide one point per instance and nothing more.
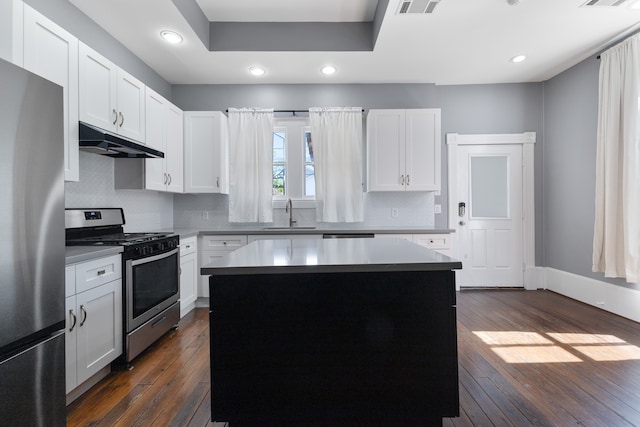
(153, 258)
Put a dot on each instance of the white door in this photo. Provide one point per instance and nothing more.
(489, 215)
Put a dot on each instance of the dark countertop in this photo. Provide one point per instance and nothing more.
(76, 254)
(266, 230)
(329, 256)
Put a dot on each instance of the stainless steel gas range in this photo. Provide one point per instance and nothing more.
(151, 274)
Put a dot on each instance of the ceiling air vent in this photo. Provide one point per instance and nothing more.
(612, 3)
(417, 6)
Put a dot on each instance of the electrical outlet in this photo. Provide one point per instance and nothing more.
(205, 215)
(437, 208)
(394, 212)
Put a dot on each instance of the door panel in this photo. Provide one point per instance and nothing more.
(490, 229)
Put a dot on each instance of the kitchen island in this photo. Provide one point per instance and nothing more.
(333, 332)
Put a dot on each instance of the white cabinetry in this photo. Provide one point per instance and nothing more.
(188, 274)
(212, 248)
(403, 150)
(254, 237)
(438, 242)
(110, 98)
(52, 52)
(11, 31)
(94, 317)
(164, 123)
(206, 152)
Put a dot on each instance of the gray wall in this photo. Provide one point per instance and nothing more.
(503, 108)
(571, 120)
(507, 108)
(69, 17)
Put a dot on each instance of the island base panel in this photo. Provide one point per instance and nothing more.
(334, 348)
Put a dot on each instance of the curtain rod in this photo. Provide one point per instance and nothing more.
(629, 32)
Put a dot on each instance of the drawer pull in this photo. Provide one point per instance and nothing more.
(102, 272)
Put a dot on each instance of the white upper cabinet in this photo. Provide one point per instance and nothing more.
(164, 131)
(110, 98)
(164, 124)
(155, 177)
(11, 31)
(174, 149)
(403, 150)
(206, 145)
(52, 53)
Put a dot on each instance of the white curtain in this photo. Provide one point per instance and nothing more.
(616, 241)
(337, 145)
(250, 164)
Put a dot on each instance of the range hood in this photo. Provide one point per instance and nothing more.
(100, 141)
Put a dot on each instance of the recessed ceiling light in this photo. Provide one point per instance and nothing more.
(256, 71)
(518, 58)
(328, 70)
(171, 36)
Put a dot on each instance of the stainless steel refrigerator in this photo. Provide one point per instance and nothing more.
(32, 366)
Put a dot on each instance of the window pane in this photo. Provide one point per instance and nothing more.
(278, 180)
(308, 148)
(309, 181)
(279, 146)
(489, 187)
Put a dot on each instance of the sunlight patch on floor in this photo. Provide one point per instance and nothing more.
(535, 354)
(555, 347)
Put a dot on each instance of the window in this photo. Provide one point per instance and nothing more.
(293, 160)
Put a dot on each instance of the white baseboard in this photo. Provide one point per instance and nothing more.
(535, 278)
(615, 299)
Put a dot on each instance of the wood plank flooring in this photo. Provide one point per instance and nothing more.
(526, 358)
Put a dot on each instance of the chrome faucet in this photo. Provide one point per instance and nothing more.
(289, 209)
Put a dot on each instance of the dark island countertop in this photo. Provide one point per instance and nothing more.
(329, 256)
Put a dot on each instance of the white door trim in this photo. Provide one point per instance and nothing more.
(527, 140)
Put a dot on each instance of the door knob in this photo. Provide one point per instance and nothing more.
(462, 223)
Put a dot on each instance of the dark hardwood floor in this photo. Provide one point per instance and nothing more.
(525, 358)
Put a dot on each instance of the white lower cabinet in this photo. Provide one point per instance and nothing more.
(254, 237)
(212, 248)
(188, 274)
(93, 318)
(440, 243)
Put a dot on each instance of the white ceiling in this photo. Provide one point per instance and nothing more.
(462, 42)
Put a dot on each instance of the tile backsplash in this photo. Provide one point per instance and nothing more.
(414, 209)
(144, 210)
(150, 210)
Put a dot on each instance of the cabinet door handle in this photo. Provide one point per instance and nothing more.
(401, 179)
(218, 181)
(408, 182)
(169, 183)
(101, 272)
(84, 315)
(115, 116)
(74, 320)
(164, 175)
(121, 118)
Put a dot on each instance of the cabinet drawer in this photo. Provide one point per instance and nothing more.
(433, 241)
(188, 246)
(97, 272)
(223, 242)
